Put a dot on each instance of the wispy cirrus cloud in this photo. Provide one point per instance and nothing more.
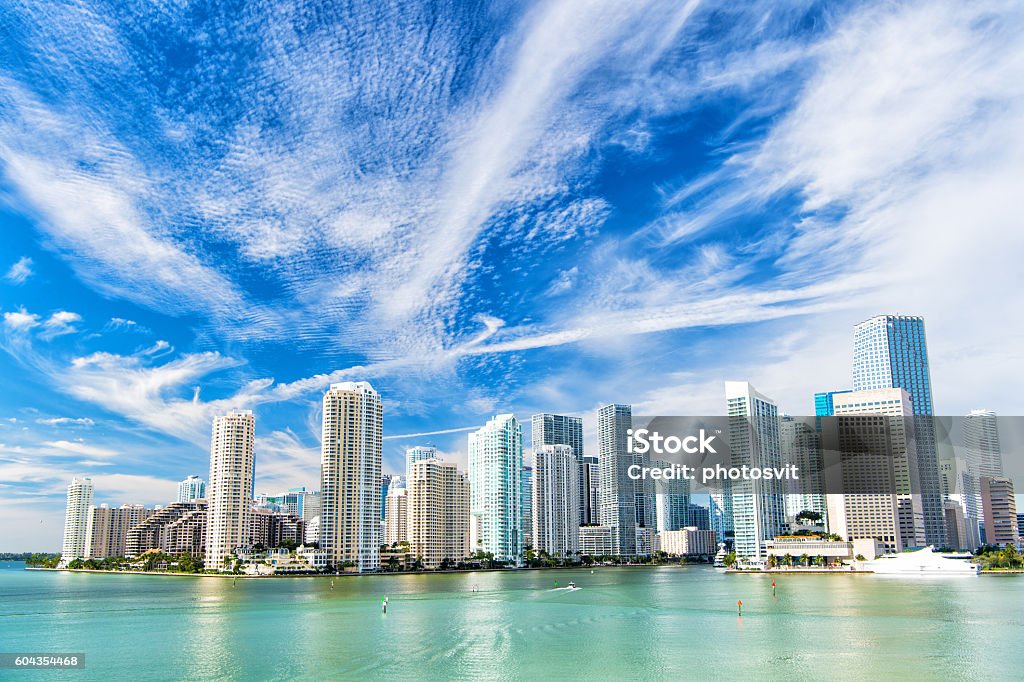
(516, 209)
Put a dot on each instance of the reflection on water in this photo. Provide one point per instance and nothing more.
(622, 623)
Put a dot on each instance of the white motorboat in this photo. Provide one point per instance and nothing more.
(924, 561)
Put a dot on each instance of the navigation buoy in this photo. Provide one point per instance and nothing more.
(739, 607)
(384, 601)
(773, 588)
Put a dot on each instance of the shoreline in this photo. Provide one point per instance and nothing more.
(809, 571)
(730, 571)
(178, 574)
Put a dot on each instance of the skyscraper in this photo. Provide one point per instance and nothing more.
(562, 429)
(495, 476)
(438, 508)
(310, 508)
(230, 492)
(1000, 509)
(396, 516)
(671, 501)
(76, 520)
(616, 490)
(557, 429)
(386, 482)
(591, 482)
(982, 456)
(890, 351)
(801, 446)
(556, 517)
(699, 517)
(981, 441)
(415, 454)
(526, 503)
(872, 457)
(350, 476)
(192, 488)
(758, 509)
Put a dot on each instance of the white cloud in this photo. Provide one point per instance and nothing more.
(59, 323)
(79, 447)
(148, 394)
(72, 421)
(124, 324)
(20, 271)
(20, 320)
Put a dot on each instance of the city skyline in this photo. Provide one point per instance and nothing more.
(693, 192)
(499, 517)
(971, 442)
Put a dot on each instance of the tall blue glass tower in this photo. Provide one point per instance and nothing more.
(890, 351)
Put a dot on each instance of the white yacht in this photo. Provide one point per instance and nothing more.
(920, 562)
(720, 557)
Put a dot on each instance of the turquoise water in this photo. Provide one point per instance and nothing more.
(626, 623)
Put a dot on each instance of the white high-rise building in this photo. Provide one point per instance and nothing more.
(616, 490)
(230, 490)
(350, 476)
(671, 501)
(416, 454)
(758, 507)
(981, 441)
(556, 515)
(310, 505)
(495, 476)
(76, 520)
(438, 509)
(801, 447)
(982, 456)
(867, 437)
(396, 518)
(192, 488)
(563, 429)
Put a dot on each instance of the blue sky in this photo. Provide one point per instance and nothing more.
(481, 208)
